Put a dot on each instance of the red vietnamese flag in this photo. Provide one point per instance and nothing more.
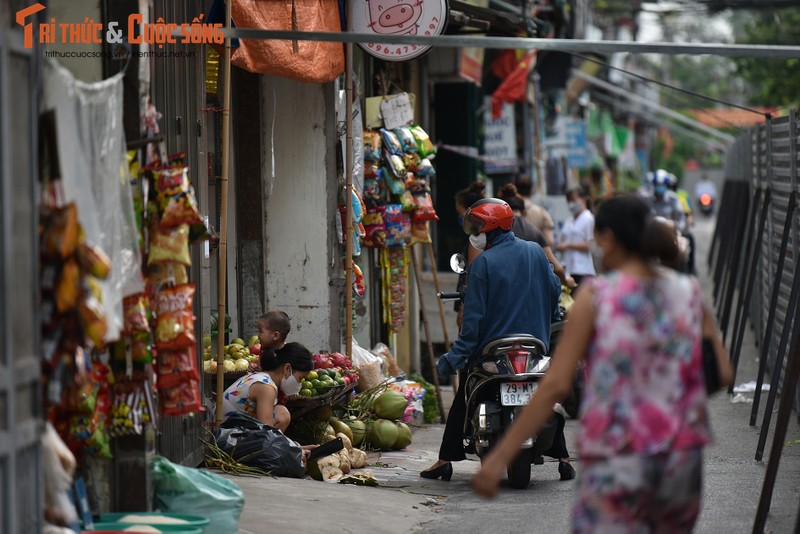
(513, 88)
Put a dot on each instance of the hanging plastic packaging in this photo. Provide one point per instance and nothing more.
(94, 175)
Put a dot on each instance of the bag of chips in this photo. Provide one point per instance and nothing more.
(136, 309)
(372, 146)
(395, 224)
(181, 399)
(391, 143)
(425, 169)
(374, 230)
(61, 232)
(407, 201)
(411, 161)
(425, 210)
(174, 318)
(68, 287)
(169, 244)
(424, 144)
(407, 140)
(419, 232)
(175, 367)
(94, 322)
(181, 209)
(94, 261)
(395, 164)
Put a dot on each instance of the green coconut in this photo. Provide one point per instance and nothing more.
(390, 405)
(403, 437)
(358, 429)
(339, 426)
(384, 434)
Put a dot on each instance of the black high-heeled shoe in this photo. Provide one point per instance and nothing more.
(445, 471)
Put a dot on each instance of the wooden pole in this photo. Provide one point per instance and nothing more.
(222, 256)
(424, 317)
(348, 190)
(441, 308)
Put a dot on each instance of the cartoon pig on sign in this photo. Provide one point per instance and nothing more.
(394, 16)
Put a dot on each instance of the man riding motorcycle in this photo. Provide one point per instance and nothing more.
(511, 289)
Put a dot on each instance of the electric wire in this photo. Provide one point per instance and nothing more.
(669, 86)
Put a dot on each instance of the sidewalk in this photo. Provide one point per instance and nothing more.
(407, 503)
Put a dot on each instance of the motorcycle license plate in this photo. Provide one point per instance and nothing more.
(516, 393)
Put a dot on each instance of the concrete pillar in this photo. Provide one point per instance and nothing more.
(302, 264)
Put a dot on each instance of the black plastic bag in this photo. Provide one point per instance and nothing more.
(253, 443)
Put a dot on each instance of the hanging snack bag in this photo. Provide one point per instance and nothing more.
(175, 367)
(406, 138)
(167, 273)
(169, 244)
(419, 232)
(171, 182)
(181, 209)
(395, 164)
(394, 222)
(136, 311)
(407, 201)
(425, 169)
(174, 318)
(424, 144)
(94, 322)
(425, 210)
(374, 229)
(412, 161)
(391, 143)
(61, 232)
(372, 145)
(181, 399)
(371, 169)
(94, 261)
(395, 184)
(68, 287)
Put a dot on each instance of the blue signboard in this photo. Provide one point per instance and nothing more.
(577, 150)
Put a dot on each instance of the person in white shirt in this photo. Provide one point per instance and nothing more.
(576, 237)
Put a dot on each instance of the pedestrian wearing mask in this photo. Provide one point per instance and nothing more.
(575, 239)
(644, 419)
(256, 394)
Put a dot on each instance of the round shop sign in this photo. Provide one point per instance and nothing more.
(399, 17)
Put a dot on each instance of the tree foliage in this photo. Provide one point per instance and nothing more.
(773, 82)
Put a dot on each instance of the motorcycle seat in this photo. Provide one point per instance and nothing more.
(506, 342)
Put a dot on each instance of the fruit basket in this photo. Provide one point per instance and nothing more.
(299, 406)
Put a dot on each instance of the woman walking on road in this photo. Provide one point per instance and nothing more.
(644, 420)
(576, 236)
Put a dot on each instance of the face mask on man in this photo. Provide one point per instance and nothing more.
(574, 207)
(478, 241)
(290, 386)
(660, 190)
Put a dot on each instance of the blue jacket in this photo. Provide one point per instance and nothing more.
(511, 289)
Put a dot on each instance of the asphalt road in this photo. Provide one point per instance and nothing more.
(405, 502)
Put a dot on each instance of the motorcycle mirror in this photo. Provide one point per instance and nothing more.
(458, 264)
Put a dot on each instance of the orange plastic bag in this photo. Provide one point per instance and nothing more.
(305, 61)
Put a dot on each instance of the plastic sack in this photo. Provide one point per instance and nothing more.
(185, 490)
(256, 444)
(368, 366)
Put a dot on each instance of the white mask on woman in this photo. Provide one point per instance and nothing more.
(478, 241)
(574, 207)
(290, 386)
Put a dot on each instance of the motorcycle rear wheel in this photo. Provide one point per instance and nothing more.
(519, 471)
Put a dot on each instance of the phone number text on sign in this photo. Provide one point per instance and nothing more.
(399, 17)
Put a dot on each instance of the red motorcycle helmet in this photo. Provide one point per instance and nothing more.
(486, 215)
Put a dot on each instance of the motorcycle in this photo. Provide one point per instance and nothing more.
(706, 204)
(497, 386)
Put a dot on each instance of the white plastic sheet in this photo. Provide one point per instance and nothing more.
(91, 148)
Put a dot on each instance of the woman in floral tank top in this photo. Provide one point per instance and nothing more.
(644, 422)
